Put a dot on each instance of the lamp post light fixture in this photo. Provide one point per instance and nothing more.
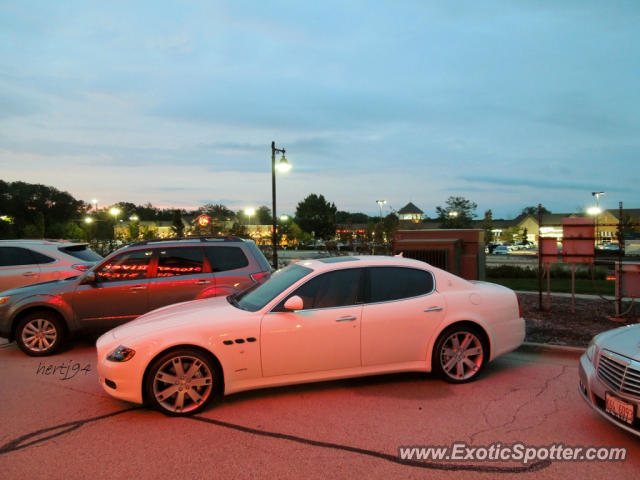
(88, 220)
(453, 214)
(115, 212)
(596, 214)
(380, 204)
(283, 166)
(249, 212)
(284, 218)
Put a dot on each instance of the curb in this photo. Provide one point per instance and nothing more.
(533, 347)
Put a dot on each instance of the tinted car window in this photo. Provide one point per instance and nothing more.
(179, 261)
(126, 266)
(394, 283)
(10, 256)
(222, 259)
(333, 289)
(82, 252)
(261, 294)
(41, 258)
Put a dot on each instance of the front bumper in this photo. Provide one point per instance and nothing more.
(122, 380)
(593, 391)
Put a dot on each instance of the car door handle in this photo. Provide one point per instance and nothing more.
(434, 309)
(346, 319)
(203, 282)
(140, 287)
(30, 274)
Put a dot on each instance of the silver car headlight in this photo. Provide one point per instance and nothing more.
(121, 354)
(592, 351)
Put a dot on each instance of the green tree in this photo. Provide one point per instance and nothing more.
(487, 226)
(133, 230)
(457, 213)
(239, 230)
(533, 211)
(389, 226)
(348, 218)
(37, 206)
(263, 215)
(315, 214)
(177, 226)
(149, 232)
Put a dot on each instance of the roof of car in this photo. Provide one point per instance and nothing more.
(333, 263)
(43, 241)
(187, 240)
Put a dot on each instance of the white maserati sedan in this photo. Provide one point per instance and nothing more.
(313, 320)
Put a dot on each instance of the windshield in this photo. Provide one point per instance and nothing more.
(256, 298)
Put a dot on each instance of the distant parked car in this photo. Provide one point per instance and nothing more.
(609, 247)
(610, 376)
(502, 250)
(24, 262)
(491, 246)
(129, 282)
(314, 320)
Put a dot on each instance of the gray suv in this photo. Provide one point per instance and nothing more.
(129, 282)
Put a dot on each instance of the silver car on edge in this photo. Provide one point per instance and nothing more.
(610, 376)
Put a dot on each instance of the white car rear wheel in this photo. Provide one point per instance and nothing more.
(460, 354)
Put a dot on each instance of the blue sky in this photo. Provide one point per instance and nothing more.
(176, 103)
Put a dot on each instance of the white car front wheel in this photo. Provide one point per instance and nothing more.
(181, 382)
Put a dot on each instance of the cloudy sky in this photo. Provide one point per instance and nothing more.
(506, 103)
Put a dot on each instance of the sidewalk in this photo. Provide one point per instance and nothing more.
(578, 295)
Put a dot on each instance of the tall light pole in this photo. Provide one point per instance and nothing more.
(283, 166)
(380, 204)
(597, 195)
(115, 212)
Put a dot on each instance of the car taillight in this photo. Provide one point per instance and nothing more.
(81, 267)
(260, 276)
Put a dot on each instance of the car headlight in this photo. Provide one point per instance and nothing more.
(121, 354)
(592, 351)
(4, 299)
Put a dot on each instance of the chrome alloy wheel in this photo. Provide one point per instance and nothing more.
(461, 355)
(39, 335)
(182, 383)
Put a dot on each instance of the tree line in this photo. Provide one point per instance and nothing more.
(39, 211)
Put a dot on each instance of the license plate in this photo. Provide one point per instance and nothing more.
(619, 409)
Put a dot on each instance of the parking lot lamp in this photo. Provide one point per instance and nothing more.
(283, 166)
(596, 211)
(115, 212)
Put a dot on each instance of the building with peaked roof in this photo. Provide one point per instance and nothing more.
(410, 212)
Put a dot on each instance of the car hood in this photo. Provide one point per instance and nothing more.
(216, 310)
(623, 341)
(51, 287)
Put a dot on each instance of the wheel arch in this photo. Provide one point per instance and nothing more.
(214, 359)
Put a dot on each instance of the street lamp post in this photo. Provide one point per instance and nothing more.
(380, 204)
(115, 212)
(283, 166)
(597, 195)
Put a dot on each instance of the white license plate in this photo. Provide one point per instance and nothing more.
(619, 409)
